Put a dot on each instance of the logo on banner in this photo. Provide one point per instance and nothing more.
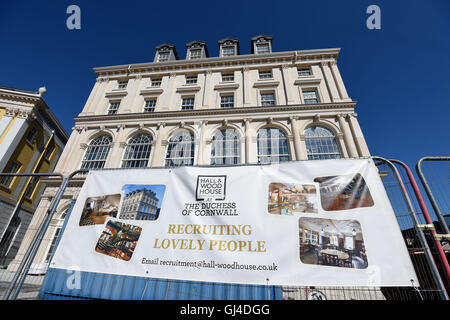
(211, 188)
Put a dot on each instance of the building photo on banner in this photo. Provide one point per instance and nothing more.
(321, 222)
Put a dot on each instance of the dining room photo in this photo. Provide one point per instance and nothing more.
(332, 242)
(290, 198)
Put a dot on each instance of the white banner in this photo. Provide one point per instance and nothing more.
(315, 223)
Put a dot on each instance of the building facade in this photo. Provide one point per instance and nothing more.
(31, 141)
(233, 109)
(140, 205)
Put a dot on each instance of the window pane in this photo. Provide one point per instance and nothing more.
(227, 101)
(163, 56)
(113, 107)
(310, 97)
(13, 167)
(195, 53)
(267, 99)
(272, 146)
(265, 74)
(262, 48)
(321, 144)
(137, 153)
(225, 148)
(187, 104)
(31, 134)
(49, 151)
(156, 82)
(31, 186)
(180, 149)
(149, 106)
(96, 153)
(227, 77)
(227, 51)
(304, 72)
(122, 84)
(191, 79)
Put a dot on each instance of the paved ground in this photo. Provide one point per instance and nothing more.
(30, 288)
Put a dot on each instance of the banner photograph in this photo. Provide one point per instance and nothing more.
(314, 223)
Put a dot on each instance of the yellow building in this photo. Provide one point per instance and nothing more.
(31, 141)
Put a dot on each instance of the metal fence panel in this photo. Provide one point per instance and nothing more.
(58, 284)
(418, 243)
(434, 173)
(21, 198)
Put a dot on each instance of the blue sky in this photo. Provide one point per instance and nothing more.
(399, 75)
(159, 189)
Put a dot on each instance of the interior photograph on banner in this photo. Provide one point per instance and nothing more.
(142, 202)
(97, 209)
(288, 198)
(118, 240)
(327, 242)
(344, 192)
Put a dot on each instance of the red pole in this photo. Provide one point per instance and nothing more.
(438, 245)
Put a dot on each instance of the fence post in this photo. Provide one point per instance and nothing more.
(421, 236)
(422, 205)
(34, 246)
(16, 275)
(433, 202)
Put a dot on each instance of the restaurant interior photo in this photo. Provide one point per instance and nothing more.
(344, 192)
(97, 209)
(327, 242)
(286, 198)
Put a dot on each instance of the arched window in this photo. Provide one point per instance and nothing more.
(321, 144)
(225, 147)
(272, 145)
(137, 153)
(180, 150)
(58, 227)
(96, 153)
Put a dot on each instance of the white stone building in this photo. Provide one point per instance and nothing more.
(236, 108)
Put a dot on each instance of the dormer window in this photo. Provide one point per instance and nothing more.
(195, 54)
(228, 51)
(229, 47)
(196, 50)
(165, 52)
(262, 44)
(262, 48)
(163, 56)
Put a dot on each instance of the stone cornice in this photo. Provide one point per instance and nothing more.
(300, 56)
(115, 93)
(25, 113)
(151, 91)
(306, 81)
(36, 105)
(262, 84)
(226, 86)
(216, 112)
(188, 89)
